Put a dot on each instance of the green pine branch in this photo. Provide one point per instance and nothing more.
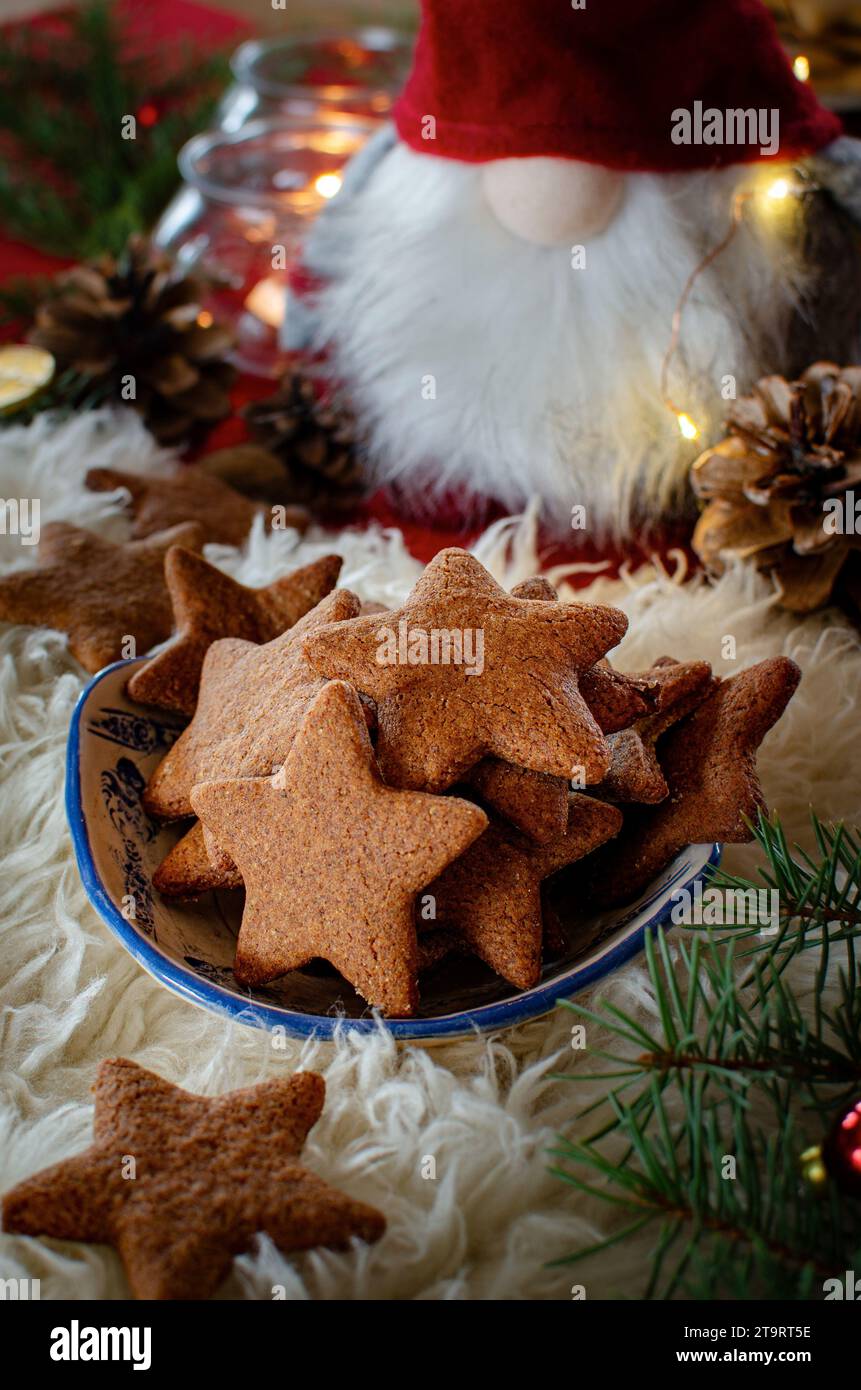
(671, 1180)
(69, 183)
(738, 1066)
(820, 899)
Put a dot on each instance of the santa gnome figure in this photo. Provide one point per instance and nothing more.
(500, 272)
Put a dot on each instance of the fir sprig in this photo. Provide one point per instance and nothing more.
(774, 1240)
(69, 183)
(738, 1066)
(819, 899)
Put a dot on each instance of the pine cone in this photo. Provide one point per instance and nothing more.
(778, 490)
(315, 440)
(137, 316)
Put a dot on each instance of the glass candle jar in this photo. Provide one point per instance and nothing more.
(358, 73)
(242, 216)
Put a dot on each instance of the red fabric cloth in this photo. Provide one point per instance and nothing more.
(507, 78)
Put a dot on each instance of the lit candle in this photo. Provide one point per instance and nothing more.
(267, 301)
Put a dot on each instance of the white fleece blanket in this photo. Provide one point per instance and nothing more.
(486, 1109)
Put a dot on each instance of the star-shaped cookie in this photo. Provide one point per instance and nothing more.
(332, 858)
(635, 773)
(208, 605)
(189, 494)
(492, 893)
(464, 670)
(252, 699)
(99, 592)
(179, 1184)
(614, 698)
(535, 802)
(709, 763)
(194, 867)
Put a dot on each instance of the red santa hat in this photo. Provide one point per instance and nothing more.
(605, 83)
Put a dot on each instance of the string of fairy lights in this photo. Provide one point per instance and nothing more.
(767, 194)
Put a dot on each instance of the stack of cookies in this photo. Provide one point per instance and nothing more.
(391, 787)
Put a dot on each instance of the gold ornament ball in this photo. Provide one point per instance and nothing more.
(813, 1169)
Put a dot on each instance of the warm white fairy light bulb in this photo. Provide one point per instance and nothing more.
(771, 195)
(327, 185)
(687, 428)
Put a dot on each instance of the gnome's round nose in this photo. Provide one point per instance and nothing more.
(552, 202)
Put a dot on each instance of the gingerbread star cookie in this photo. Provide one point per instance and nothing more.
(102, 594)
(189, 494)
(535, 802)
(179, 1184)
(709, 763)
(535, 587)
(635, 773)
(332, 858)
(492, 893)
(464, 670)
(208, 605)
(194, 867)
(614, 699)
(252, 699)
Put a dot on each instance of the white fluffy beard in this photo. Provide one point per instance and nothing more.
(547, 378)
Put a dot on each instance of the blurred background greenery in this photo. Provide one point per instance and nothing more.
(73, 188)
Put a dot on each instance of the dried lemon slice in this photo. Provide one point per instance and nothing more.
(24, 372)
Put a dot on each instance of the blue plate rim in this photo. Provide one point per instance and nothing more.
(485, 1018)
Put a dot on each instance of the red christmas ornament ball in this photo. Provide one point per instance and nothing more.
(842, 1151)
(147, 114)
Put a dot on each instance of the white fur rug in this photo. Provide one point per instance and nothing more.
(487, 1109)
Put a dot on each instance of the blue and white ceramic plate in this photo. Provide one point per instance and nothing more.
(114, 744)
